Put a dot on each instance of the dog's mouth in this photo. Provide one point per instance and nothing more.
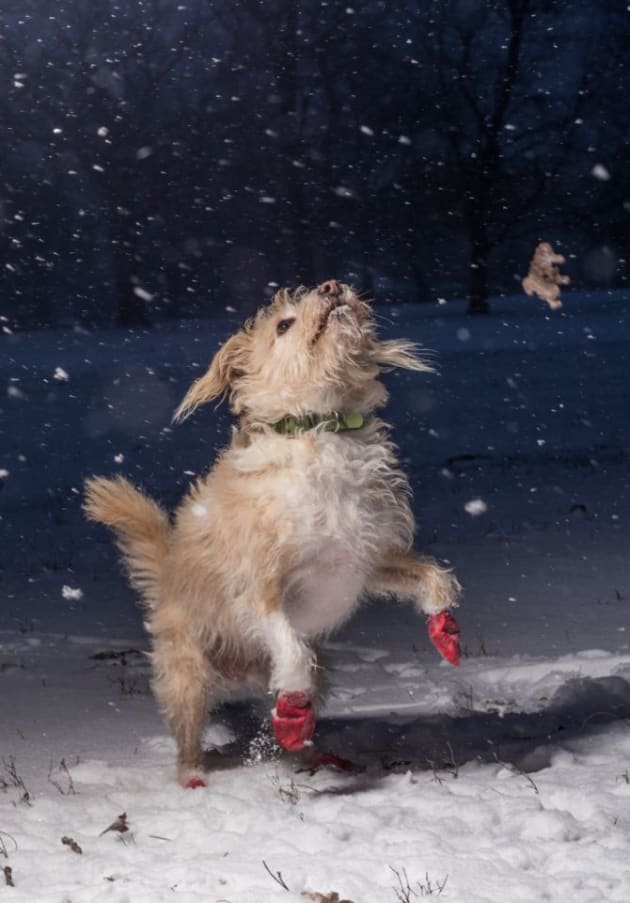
(332, 305)
(335, 303)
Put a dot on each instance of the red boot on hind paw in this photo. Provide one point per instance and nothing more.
(293, 720)
(444, 634)
(193, 783)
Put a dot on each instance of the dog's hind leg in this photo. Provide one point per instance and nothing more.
(182, 686)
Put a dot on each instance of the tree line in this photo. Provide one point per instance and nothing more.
(162, 159)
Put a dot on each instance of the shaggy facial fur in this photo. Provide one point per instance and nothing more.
(277, 545)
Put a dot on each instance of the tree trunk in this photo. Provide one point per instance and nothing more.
(130, 308)
(478, 286)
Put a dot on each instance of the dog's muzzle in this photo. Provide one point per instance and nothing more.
(331, 287)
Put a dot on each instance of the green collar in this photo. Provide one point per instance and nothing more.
(334, 422)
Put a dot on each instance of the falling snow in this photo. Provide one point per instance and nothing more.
(599, 171)
(140, 292)
(475, 507)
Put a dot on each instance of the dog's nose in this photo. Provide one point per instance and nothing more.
(330, 287)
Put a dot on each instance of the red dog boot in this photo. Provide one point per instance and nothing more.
(444, 634)
(193, 783)
(293, 720)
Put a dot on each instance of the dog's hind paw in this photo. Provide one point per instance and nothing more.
(190, 776)
(193, 783)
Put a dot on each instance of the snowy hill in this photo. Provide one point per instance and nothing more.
(506, 779)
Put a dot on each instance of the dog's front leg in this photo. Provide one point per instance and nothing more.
(292, 660)
(423, 581)
(433, 589)
(293, 666)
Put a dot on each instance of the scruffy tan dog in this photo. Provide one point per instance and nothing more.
(302, 516)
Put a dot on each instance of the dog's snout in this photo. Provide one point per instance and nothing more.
(330, 287)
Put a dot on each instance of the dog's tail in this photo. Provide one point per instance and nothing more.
(141, 526)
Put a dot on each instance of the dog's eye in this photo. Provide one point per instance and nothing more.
(285, 325)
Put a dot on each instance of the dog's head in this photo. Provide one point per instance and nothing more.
(308, 351)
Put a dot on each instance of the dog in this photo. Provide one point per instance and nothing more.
(303, 515)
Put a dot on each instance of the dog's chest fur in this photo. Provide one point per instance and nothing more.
(345, 501)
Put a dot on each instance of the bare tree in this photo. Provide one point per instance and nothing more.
(505, 115)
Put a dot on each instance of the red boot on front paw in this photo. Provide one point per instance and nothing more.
(293, 720)
(444, 634)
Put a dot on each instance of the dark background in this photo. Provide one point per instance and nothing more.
(166, 159)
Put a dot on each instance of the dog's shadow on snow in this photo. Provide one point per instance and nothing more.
(378, 745)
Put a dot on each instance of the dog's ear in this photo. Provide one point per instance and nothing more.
(399, 353)
(228, 364)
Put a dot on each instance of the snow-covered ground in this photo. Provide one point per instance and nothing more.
(504, 780)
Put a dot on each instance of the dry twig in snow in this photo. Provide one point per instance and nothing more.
(121, 825)
(71, 842)
(277, 876)
(332, 897)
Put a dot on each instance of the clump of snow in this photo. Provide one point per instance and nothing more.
(475, 507)
(73, 593)
(61, 375)
(472, 794)
(599, 171)
(142, 293)
(15, 392)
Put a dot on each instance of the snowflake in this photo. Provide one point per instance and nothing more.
(475, 507)
(600, 172)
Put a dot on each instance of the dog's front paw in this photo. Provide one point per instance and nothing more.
(444, 634)
(442, 590)
(293, 720)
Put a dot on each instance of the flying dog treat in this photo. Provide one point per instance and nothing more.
(544, 278)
